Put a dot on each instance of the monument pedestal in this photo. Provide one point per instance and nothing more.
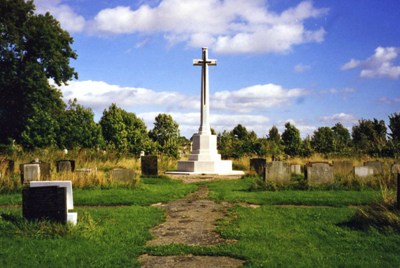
(205, 159)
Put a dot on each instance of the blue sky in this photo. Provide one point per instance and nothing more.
(312, 63)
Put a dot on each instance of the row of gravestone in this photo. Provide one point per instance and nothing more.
(38, 170)
(316, 173)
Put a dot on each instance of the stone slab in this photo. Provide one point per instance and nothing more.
(62, 184)
(278, 172)
(396, 169)
(319, 174)
(149, 165)
(31, 172)
(65, 165)
(258, 165)
(364, 171)
(123, 174)
(295, 169)
(376, 165)
(342, 167)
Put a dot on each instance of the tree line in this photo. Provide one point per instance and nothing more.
(367, 137)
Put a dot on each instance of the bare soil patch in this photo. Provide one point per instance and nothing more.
(190, 221)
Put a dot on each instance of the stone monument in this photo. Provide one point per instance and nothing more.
(204, 158)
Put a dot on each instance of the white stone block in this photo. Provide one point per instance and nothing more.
(72, 217)
(364, 171)
(31, 172)
(66, 184)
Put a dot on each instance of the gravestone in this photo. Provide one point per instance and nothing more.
(122, 174)
(342, 168)
(363, 171)
(86, 171)
(278, 172)
(149, 165)
(396, 169)
(258, 165)
(319, 173)
(65, 165)
(30, 172)
(72, 217)
(45, 203)
(376, 165)
(295, 169)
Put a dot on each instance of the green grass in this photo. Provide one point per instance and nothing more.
(150, 190)
(114, 237)
(311, 232)
(238, 191)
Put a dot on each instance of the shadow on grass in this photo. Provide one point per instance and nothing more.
(378, 217)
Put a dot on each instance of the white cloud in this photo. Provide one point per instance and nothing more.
(231, 26)
(99, 95)
(68, 18)
(389, 101)
(256, 97)
(339, 118)
(346, 90)
(379, 65)
(301, 68)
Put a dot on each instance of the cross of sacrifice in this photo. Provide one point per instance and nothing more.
(205, 109)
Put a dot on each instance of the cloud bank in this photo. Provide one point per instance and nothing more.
(230, 26)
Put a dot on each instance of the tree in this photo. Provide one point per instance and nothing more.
(78, 129)
(306, 148)
(273, 135)
(136, 134)
(369, 136)
(342, 139)
(323, 140)
(291, 140)
(33, 49)
(166, 134)
(274, 142)
(114, 129)
(394, 126)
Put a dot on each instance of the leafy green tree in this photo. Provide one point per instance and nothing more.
(342, 139)
(33, 49)
(291, 140)
(114, 129)
(275, 142)
(273, 135)
(136, 134)
(369, 136)
(306, 148)
(166, 135)
(78, 128)
(394, 126)
(323, 140)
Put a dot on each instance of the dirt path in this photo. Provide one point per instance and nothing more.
(190, 221)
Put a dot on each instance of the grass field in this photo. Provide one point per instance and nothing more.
(291, 228)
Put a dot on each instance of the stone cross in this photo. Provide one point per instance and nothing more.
(205, 108)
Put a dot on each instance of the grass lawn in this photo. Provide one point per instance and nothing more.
(308, 235)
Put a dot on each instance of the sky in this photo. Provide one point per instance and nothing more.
(310, 63)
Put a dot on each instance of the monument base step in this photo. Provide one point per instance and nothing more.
(222, 167)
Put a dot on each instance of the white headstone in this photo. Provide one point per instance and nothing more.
(364, 171)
